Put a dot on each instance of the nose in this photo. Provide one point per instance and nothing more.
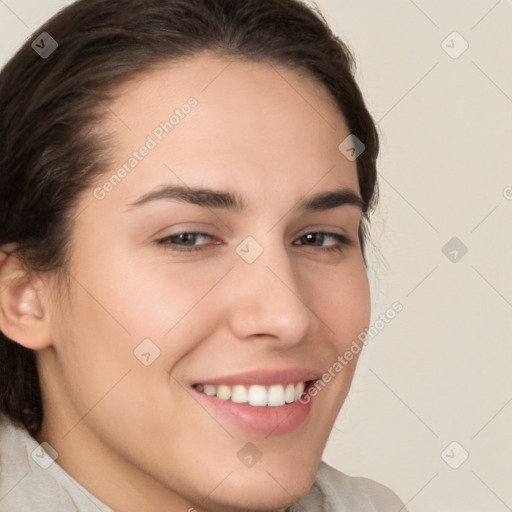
(269, 299)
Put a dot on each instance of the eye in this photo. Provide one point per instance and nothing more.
(318, 237)
(186, 242)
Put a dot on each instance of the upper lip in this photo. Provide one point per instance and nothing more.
(265, 377)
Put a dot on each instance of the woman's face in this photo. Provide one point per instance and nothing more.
(261, 298)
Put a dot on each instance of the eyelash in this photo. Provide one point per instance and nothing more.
(343, 241)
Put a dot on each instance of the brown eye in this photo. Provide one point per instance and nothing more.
(318, 237)
(184, 242)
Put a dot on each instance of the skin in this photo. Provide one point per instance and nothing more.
(132, 434)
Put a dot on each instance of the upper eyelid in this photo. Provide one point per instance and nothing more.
(320, 227)
(348, 238)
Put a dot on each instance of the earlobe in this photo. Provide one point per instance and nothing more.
(23, 318)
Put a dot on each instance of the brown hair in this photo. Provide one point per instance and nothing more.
(50, 106)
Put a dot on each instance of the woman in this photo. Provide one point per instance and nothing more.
(185, 191)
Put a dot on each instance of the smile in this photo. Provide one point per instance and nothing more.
(256, 395)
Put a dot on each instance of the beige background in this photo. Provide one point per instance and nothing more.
(439, 372)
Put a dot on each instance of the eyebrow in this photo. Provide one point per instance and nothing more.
(210, 198)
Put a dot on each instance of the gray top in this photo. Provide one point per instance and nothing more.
(31, 481)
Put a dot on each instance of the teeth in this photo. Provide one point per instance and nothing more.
(276, 396)
(256, 395)
(239, 395)
(210, 390)
(224, 392)
(289, 394)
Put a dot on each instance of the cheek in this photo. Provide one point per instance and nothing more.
(345, 305)
(169, 303)
(115, 316)
(118, 302)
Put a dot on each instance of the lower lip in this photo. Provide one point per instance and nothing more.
(267, 421)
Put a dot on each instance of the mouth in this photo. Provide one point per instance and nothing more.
(256, 395)
(264, 410)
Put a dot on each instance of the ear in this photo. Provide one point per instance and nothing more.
(23, 318)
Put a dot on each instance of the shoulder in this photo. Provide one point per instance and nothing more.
(342, 492)
(31, 480)
(21, 488)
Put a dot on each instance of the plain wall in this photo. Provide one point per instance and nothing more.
(439, 372)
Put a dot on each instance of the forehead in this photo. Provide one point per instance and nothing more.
(231, 81)
(229, 122)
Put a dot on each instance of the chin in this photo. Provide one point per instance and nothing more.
(269, 486)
